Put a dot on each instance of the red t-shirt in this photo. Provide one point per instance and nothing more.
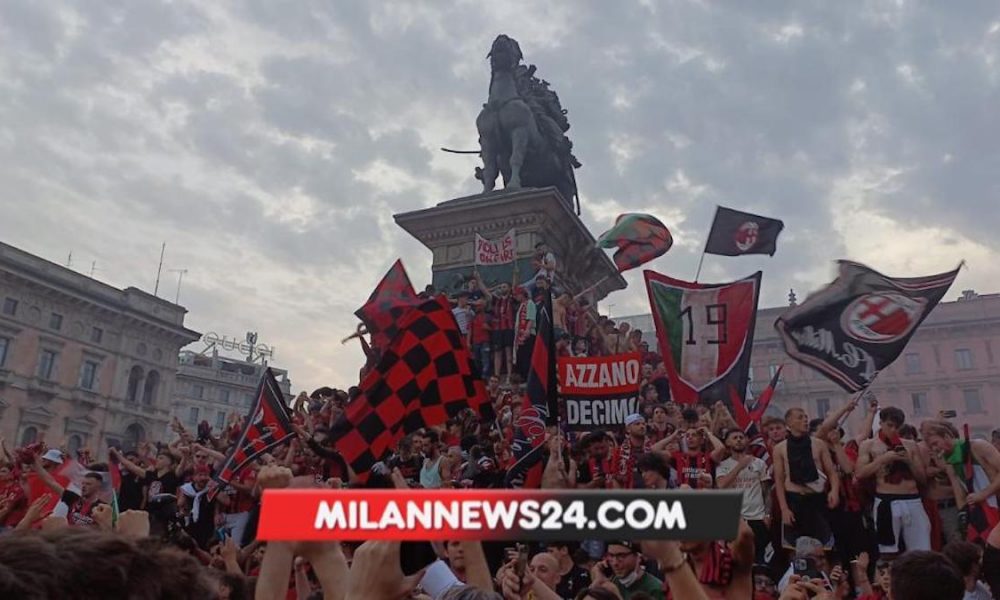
(480, 329)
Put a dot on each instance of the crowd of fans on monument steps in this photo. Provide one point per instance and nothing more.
(826, 515)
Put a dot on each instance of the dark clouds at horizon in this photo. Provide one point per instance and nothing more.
(270, 143)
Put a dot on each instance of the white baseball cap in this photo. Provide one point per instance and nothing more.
(53, 455)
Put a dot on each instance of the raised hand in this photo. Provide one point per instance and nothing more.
(134, 523)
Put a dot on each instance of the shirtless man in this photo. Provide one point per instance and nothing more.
(941, 493)
(806, 482)
(898, 467)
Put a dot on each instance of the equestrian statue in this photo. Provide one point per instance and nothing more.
(522, 128)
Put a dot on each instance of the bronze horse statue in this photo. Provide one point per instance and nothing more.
(522, 128)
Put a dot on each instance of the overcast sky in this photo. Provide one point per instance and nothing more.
(269, 143)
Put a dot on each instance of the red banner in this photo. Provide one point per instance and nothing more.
(599, 391)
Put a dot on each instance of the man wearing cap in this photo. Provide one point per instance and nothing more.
(623, 567)
(635, 445)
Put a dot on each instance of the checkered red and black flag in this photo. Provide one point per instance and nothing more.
(268, 425)
(390, 300)
(426, 375)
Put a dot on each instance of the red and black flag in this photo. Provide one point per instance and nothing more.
(425, 376)
(735, 233)
(540, 408)
(268, 424)
(390, 300)
(980, 519)
(860, 323)
(706, 334)
(639, 238)
(749, 417)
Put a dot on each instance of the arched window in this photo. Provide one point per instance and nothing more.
(73, 444)
(151, 387)
(134, 381)
(28, 436)
(134, 434)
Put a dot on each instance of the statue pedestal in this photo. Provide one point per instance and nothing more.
(535, 215)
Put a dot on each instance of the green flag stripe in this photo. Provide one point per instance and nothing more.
(623, 229)
(668, 304)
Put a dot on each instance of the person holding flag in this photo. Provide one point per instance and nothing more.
(975, 462)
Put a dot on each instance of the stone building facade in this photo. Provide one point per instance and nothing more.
(82, 361)
(209, 387)
(951, 363)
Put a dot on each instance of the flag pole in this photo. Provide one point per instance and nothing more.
(592, 288)
(705, 247)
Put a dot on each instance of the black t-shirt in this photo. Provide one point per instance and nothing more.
(991, 569)
(409, 468)
(574, 581)
(130, 492)
(161, 484)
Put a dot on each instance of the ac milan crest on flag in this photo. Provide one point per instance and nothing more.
(392, 297)
(425, 376)
(705, 333)
(267, 426)
(539, 409)
(639, 238)
(735, 233)
(860, 323)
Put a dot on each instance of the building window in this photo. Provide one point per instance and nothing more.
(4, 346)
(822, 407)
(73, 444)
(224, 396)
(96, 335)
(919, 400)
(248, 400)
(220, 420)
(88, 374)
(29, 435)
(134, 381)
(193, 415)
(151, 388)
(963, 359)
(46, 364)
(198, 391)
(10, 307)
(912, 364)
(973, 401)
(55, 321)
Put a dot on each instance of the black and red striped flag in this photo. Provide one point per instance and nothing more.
(540, 408)
(425, 376)
(268, 425)
(390, 300)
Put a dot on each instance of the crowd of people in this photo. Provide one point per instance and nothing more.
(823, 515)
(877, 515)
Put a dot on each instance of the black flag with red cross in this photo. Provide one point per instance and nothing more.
(735, 233)
(860, 323)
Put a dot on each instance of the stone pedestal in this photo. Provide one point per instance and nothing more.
(535, 215)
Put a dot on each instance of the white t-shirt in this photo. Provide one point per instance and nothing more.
(748, 480)
(464, 317)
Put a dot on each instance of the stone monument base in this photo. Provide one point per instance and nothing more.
(535, 215)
